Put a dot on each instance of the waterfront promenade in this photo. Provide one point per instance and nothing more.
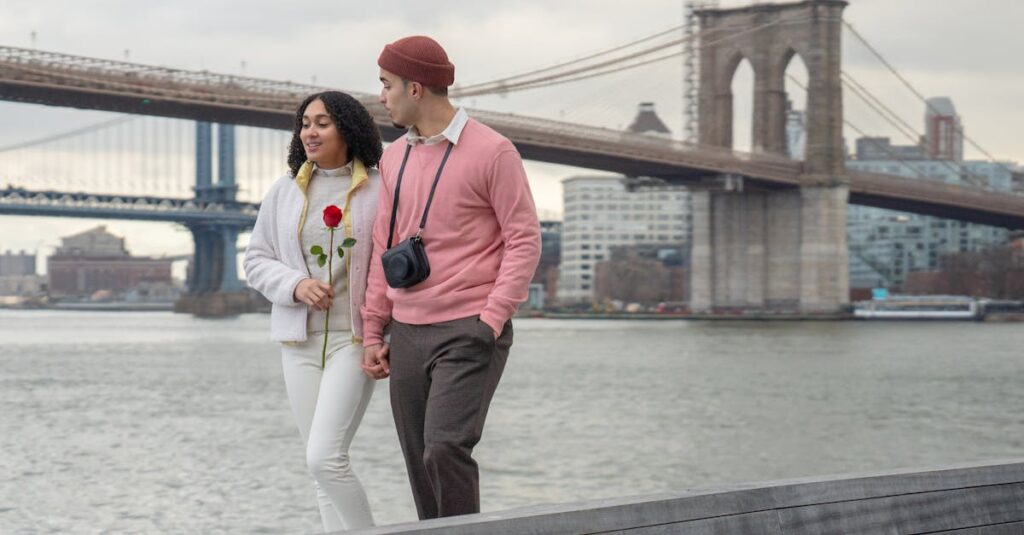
(978, 499)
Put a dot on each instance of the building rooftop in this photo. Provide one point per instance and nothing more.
(647, 120)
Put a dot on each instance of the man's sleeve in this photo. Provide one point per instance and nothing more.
(513, 205)
(376, 309)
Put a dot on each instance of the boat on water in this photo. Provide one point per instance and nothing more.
(920, 307)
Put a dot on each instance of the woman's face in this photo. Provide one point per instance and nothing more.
(322, 141)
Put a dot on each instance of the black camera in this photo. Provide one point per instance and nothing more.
(406, 264)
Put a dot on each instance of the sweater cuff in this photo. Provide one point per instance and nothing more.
(372, 332)
(297, 277)
(493, 320)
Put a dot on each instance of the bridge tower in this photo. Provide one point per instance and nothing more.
(782, 249)
(213, 285)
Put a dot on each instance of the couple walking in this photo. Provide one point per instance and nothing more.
(439, 241)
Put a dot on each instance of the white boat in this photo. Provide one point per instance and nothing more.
(919, 307)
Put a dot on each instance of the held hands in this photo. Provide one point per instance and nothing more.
(375, 361)
(318, 295)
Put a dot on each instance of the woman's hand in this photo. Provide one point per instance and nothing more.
(318, 295)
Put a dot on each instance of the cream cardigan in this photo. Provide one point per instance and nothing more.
(274, 262)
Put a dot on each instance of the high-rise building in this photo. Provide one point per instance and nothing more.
(796, 132)
(600, 214)
(943, 133)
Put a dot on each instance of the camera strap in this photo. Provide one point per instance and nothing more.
(430, 199)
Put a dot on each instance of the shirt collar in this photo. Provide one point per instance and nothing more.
(355, 167)
(344, 170)
(451, 133)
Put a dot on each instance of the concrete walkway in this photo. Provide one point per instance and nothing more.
(977, 499)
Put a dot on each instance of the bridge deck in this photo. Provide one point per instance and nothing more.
(979, 499)
(63, 80)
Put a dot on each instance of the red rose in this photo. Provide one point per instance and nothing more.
(332, 216)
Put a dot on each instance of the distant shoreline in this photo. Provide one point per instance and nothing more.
(676, 316)
(98, 307)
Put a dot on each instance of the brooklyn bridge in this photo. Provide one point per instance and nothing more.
(768, 230)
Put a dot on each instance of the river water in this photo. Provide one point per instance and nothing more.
(155, 422)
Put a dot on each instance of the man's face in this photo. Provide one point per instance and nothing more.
(395, 95)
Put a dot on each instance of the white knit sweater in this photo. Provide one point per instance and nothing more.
(274, 262)
(326, 187)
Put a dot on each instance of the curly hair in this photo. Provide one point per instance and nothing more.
(353, 122)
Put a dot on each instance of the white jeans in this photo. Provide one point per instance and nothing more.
(328, 405)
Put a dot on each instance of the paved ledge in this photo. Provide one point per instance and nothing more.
(975, 499)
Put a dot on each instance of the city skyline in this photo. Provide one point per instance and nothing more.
(970, 69)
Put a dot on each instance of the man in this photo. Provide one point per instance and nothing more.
(450, 333)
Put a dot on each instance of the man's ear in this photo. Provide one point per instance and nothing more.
(416, 90)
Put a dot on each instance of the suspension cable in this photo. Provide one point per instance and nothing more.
(572, 62)
(918, 94)
(608, 65)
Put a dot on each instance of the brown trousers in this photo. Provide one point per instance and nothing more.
(443, 377)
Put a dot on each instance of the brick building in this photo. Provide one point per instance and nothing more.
(96, 260)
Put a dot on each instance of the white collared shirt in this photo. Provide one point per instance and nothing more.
(451, 133)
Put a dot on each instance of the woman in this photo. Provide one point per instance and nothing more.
(334, 150)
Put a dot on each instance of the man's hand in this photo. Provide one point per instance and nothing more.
(375, 361)
(497, 334)
(318, 295)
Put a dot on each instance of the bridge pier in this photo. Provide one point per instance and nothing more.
(824, 253)
(213, 285)
(778, 250)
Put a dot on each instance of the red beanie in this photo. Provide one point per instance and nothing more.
(420, 59)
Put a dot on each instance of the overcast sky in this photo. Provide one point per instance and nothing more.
(965, 49)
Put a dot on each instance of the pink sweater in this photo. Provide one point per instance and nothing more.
(482, 235)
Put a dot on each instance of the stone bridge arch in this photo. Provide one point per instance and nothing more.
(769, 35)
